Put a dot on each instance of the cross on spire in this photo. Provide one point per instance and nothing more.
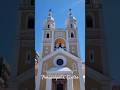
(50, 12)
(70, 13)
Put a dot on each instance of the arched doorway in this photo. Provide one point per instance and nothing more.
(59, 84)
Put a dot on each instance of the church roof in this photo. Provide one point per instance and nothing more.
(61, 51)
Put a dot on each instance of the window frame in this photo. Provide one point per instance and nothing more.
(31, 22)
(92, 59)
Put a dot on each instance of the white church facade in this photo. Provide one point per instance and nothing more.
(60, 66)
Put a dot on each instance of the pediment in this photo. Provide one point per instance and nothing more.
(62, 52)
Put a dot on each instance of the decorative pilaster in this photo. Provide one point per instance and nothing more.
(37, 83)
(48, 84)
(70, 84)
(82, 84)
(52, 44)
(67, 40)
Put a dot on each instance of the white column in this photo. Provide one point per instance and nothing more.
(37, 82)
(67, 39)
(78, 48)
(82, 84)
(70, 84)
(52, 44)
(43, 32)
(48, 84)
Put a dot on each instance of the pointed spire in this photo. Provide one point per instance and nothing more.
(70, 13)
(71, 20)
(50, 12)
(50, 16)
(49, 22)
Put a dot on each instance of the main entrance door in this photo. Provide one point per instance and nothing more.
(59, 84)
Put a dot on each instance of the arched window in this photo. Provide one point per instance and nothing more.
(60, 62)
(47, 36)
(31, 23)
(72, 35)
(32, 2)
(60, 86)
(28, 57)
(92, 55)
(71, 25)
(60, 43)
(48, 26)
(87, 1)
(89, 21)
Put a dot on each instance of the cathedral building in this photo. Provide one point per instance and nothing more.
(60, 67)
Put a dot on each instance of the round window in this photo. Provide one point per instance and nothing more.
(60, 62)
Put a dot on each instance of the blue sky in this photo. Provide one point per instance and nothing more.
(60, 12)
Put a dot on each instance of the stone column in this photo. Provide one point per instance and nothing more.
(52, 44)
(70, 84)
(37, 82)
(49, 84)
(67, 41)
(82, 84)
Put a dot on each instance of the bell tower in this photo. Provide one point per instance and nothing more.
(26, 53)
(26, 35)
(97, 73)
(95, 36)
(48, 30)
(72, 31)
